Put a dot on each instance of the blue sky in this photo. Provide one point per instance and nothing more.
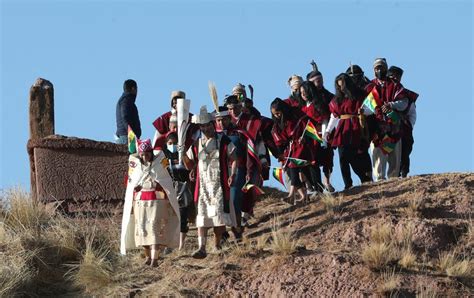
(88, 48)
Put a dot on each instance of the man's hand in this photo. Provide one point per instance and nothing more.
(231, 179)
(192, 175)
(386, 108)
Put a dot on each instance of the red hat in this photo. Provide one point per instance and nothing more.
(144, 146)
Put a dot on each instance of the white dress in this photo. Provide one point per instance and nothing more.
(130, 225)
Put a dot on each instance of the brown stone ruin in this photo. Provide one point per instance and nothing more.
(76, 175)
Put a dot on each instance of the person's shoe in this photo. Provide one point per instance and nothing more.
(329, 187)
(167, 251)
(244, 222)
(147, 262)
(199, 254)
(238, 232)
(154, 263)
(225, 237)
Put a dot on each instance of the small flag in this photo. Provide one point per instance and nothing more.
(132, 141)
(387, 145)
(372, 100)
(310, 131)
(278, 175)
(393, 116)
(298, 162)
(251, 149)
(248, 186)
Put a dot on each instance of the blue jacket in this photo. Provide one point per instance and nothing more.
(127, 114)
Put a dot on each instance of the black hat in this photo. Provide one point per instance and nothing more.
(313, 74)
(232, 100)
(395, 70)
(354, 70)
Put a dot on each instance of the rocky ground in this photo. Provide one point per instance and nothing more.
(409, 237)
(327, 249)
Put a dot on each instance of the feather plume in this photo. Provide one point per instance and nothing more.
(314, 65)
(213, 92)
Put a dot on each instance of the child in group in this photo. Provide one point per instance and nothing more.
(180, 176)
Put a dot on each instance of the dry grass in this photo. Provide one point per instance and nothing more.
(390, 282)
(377, 255)
(94, 271)
(407, 259)
(404, 235)
(426, 292)
(413, 208)
(22, 213)
(454, 265)
(381, 233)
(330, 202)
(282, 242)
(37, 246)
(261, 242)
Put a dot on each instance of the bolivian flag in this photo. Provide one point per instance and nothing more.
(310, 131)
(372, 100)
(387, 145)
(278, 175)
(132, 141)
(298, 162)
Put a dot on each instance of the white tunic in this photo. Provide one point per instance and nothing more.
(210, 206)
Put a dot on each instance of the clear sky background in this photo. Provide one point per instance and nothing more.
(88, 48)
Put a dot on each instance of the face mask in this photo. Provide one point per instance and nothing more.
(380, 74)
(172, 148)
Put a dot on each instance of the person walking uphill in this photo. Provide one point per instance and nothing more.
(126, 113)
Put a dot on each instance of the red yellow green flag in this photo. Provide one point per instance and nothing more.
(387, 145)
(372, 100)
(132, 141)
(278, 175)
(299, 162)
(310, 131)
(248, 186)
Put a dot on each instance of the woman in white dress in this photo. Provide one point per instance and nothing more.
(155, 207)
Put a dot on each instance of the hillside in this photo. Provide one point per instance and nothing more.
(409, 237)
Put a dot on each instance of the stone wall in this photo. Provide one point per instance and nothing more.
(78, 174)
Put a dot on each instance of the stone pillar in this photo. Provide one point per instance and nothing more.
(41, 118)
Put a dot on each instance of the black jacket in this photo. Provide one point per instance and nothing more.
(127, 114)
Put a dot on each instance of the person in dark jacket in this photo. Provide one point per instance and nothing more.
(127, 113)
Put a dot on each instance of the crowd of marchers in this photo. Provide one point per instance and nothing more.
(208, 168)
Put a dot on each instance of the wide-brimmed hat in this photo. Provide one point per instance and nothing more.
(178, 94)
(203, 117)
(380, 61)
(221, 112)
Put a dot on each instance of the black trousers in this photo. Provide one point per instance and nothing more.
(360, 163)
(184, 213)
(407, 147)
(312, 173)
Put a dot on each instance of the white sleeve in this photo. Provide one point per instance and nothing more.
(333, 121)
(190, 153)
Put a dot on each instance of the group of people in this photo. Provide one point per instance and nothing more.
(209, 167)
